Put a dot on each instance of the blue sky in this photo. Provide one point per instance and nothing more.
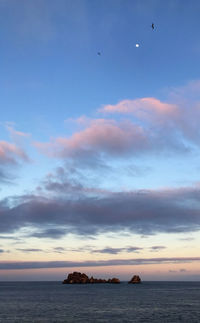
(49, 61)
(101, 147)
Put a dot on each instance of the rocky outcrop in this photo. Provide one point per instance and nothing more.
(113, 281)
(76, 278)
(135, 280)
(79, 278)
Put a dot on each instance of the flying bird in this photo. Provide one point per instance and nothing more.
(152, 26)
(99, 53)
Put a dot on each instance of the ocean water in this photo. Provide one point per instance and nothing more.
(54, 302)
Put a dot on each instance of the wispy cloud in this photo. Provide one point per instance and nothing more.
(53, 233)
(182, 270)
(114, 251)
(59, 249)
(27, 250)
(187, 239)
(157, 248)
(15, 134)
(8, 238)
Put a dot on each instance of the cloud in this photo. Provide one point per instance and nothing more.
(54, 233)
(69, 181)
(178, 116)
(98, 263)
(114, 251)
(157, 248)
(27, 250)
(14, 134)
(182, 270)
(143, 212)
(187, 239)
(190, 92)
(10, 153)
(5, 177)
(104, 138)
(8, 238)
(63, 203)
(150, 109)
(59, 249)
(62, 180)
(154, 126)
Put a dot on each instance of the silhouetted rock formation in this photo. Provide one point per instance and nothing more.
(113, 281)
(135, 280)
(78, 278)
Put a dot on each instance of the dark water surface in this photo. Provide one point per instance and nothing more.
(54, 302)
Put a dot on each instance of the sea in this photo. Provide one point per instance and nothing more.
(54, 302)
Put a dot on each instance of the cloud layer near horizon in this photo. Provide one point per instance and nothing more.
(144, 212)
(100, 263)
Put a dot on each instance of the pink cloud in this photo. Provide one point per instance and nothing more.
(145, 109)
(105, 136)
(158, 126)
(9, 153)
(179, 119)
(15, 133)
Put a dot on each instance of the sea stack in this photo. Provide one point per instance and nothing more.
(79, 278)
(76, 278)
(135, 280)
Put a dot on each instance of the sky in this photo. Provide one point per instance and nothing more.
(99, 139)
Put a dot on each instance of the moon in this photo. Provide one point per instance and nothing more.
(137, 45)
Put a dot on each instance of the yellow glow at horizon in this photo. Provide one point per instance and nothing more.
(175, 247)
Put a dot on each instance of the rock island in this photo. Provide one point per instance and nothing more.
(81, 278)
(135, 280)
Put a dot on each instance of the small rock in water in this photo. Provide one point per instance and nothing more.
(135, 280)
